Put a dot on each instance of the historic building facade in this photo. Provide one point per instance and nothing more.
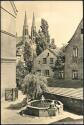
(8, 45)
(45, 61)
(74, 55)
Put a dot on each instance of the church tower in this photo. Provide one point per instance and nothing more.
(33, 28)
(25, 29)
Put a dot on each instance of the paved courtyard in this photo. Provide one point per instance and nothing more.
(9, 116)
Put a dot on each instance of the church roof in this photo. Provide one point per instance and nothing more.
(33, 21)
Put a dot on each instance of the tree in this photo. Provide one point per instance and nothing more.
(34, 85)
(43, 38)
(28, 56)
(44, 26)
(40, 42)
(20, 73)
(52, 44)
(59, 64)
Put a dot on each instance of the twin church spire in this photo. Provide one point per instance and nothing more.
(25, 19)
(33, 28)
(25, 28)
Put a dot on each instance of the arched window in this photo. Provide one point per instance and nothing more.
(26, 32)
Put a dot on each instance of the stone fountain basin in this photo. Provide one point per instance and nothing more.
(43, 109)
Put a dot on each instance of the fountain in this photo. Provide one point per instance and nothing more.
(42, 98)
(44, 107)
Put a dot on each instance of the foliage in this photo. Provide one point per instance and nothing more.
(43, 38)
(20, 73)
(59, 64)
(44, 26)
(52, 44)
(34, 84)
(19, 44)
(28, 56)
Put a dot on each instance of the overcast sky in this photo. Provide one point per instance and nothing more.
(63, 17)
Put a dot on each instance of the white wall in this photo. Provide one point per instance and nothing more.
(8, 47)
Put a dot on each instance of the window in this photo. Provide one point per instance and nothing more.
(61, 74)
(39, 71)
(48, 54)
(74, 74)
(47, 72)
(81, 31)
(51, 60)
(44, 61)
(75, 52)
(75, 55)
(26, 32)
(39, 62)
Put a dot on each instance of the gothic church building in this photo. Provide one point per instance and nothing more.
(30, 39)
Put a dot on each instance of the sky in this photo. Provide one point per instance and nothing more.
(63, 17)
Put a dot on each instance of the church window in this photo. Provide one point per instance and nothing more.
(26, 32)
(44, 61)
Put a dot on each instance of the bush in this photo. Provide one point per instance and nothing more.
(34, 85)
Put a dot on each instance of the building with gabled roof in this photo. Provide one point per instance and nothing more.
(44, 62)
(74, 55)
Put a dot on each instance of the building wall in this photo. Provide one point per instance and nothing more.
(77, 40)
(8, 46)
(42, 66)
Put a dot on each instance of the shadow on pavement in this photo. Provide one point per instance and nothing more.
(69, 121)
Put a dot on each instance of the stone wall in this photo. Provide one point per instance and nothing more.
(71, 104)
